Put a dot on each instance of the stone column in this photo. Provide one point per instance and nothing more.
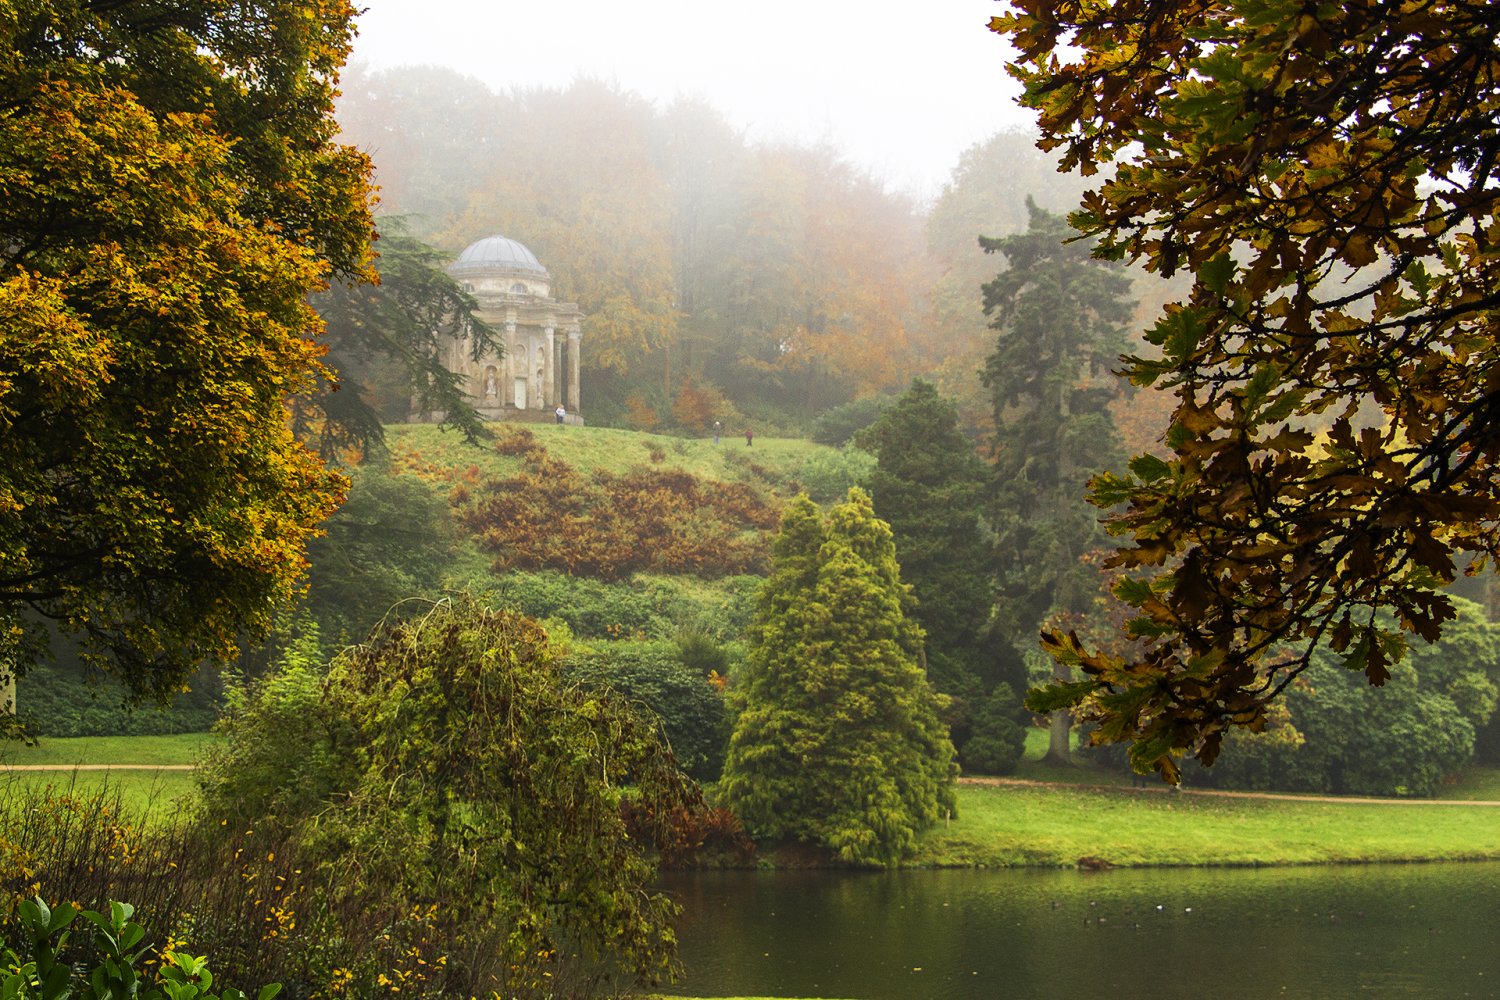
(508, 365)
(549, 371)
(575, 337)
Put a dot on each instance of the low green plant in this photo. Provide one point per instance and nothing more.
(115, 960)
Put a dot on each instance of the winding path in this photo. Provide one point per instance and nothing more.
(95, 767)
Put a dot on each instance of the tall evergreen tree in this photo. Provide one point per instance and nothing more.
(1060, 317)
(840, 742)
(929, 486)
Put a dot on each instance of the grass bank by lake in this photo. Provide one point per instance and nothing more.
(1087, 813)
(1011, 825)
(1002, 825)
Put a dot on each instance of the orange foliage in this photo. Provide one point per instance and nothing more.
(693, 409)
(639, 415)
(691, 833)
(608, 526)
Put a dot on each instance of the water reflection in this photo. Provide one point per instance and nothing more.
(1388, 931)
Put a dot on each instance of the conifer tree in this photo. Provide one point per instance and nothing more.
(840, 742)
(1060, 318)
(928, 485)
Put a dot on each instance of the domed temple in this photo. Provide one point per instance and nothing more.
(541, 336)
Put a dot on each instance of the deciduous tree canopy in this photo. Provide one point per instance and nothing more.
(169, 195)
(1328, 174)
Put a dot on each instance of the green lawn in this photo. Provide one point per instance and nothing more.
(132, 763)
(135, 751)
(1014, 825)
(152, 793)
(1002, 826)
(613, 450)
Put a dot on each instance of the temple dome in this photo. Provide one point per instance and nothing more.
(497, 255)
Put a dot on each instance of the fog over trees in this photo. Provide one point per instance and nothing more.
(778, 279)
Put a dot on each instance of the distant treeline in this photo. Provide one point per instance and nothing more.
(720, 278)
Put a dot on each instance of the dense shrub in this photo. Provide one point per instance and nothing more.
(701, 655)
(653, 676)
(837, 425)
(591, 609)
(1355, 739)
(1333, 732)
(643, 607)
(997, 739)
(827, 476)
(719, 609)
(60, 700)
(467, 804)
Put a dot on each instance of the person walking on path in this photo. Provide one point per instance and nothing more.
(749, 437)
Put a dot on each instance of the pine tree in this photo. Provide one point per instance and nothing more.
(928, 485)
(1060, 317)
(840, 742)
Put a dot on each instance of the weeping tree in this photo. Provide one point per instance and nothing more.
(446, 766)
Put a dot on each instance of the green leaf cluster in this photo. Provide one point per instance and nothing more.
(1327, 176)
(45, 968)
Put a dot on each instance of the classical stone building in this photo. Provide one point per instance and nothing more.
(541, 336)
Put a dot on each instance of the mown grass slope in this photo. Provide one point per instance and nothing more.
(783, 462)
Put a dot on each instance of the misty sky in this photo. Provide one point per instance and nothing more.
(900, 86)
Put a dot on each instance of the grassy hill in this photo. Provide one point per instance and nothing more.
(784, 464)
(617, 533)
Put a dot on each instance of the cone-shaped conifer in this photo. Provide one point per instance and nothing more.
(840, 742)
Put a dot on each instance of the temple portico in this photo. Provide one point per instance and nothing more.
(542, 337)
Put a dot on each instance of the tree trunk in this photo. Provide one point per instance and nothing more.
(1059, 725)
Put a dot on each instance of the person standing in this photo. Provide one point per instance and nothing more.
(561, 413)
(749, 437)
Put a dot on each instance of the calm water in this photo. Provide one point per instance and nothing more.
(1379, 931)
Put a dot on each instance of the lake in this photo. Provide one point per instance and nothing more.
(1381, 931)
